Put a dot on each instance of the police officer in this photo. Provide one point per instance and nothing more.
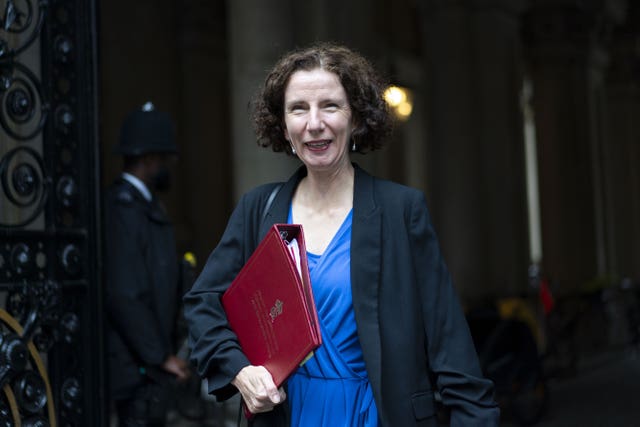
(142, 273)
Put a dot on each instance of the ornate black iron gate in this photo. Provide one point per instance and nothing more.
(50, 281)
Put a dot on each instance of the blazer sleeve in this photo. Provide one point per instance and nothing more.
(215, 349)
(451, 351)
(214, 346)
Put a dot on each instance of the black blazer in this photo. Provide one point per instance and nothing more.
(413, 333)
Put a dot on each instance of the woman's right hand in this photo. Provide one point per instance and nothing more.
(258, 390)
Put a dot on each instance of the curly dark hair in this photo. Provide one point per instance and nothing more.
(362, 84)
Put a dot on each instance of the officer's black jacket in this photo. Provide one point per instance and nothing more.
(141, 287)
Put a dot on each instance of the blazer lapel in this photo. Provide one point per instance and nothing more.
(366, 248)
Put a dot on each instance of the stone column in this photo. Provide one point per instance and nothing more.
(203, 115)
(475, 165)
(567, 65)
(621, 153)
(259, 33)
(354, 23)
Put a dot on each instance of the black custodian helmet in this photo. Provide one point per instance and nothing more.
(147, 130)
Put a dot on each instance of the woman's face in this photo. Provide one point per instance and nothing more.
(318, 119)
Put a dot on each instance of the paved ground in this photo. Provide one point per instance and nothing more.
(604, 393)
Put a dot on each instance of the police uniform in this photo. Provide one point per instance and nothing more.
(142, 281)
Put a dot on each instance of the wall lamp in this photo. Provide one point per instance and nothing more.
(400, 99)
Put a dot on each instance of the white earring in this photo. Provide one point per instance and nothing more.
(353, 146)
(293, 150)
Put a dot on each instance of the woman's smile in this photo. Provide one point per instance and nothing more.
(320, 145)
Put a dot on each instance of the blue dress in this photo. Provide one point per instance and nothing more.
(332, 389)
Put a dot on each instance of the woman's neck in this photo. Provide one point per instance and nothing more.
(327, 190)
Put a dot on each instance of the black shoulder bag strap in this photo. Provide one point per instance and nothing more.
(272, 196)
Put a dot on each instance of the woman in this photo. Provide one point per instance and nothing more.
(392, 328)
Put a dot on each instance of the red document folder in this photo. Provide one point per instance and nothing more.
(270, 304)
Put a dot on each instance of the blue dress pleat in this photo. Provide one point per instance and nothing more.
(332, 388)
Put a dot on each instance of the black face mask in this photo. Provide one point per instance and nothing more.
(161, 181)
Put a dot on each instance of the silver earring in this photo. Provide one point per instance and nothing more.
(293, 150)
(353, 146)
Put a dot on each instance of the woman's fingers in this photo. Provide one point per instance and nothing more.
(258, 390)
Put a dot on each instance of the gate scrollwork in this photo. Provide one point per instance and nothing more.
(49, 225)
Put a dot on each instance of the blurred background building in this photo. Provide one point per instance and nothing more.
(520, 123)
(504, 93)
